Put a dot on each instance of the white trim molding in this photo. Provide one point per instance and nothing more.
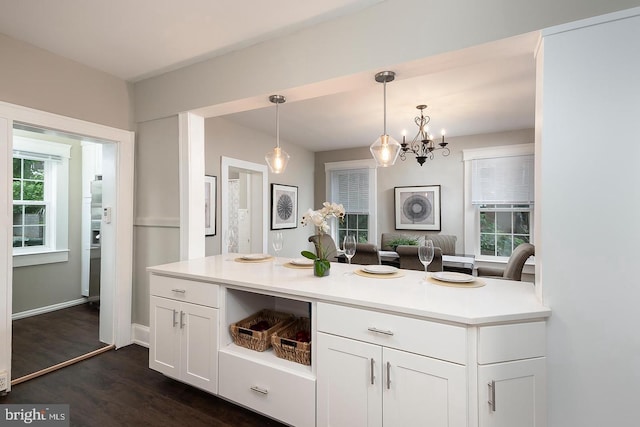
(48, 309)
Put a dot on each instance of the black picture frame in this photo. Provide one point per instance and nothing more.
(284, 206)
(417, 208)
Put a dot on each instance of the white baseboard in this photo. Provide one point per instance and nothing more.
(140, 334)
(47, 309)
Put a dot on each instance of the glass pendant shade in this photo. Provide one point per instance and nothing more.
(277, 160)
(385, 150)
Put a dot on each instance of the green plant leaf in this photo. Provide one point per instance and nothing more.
(309, 255)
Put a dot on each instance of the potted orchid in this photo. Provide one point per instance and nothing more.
(319, 218)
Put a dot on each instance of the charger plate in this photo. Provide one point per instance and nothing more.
(395, 275)
(253, 260)
(293, 265)
(477, 283)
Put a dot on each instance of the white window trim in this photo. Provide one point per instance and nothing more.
(57, 249)
(373, 190)
(471, 214)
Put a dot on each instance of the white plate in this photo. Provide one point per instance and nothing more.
(254, 257)
(379, 269)
(450, 276)
(302, 261)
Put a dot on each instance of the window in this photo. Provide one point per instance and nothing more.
(30, 209)
(503, 227)
(40, 199)
(499, 200)
(353, 185)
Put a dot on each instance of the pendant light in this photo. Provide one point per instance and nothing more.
(278, 158)
(385, 149)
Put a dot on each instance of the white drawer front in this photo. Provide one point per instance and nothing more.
(285, 396)
(438, 340)
(517, 341)
(185, 290)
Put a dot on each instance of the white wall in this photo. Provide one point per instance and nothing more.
(157, 206)
(327, 57)
(224, 138)
(448, 172)
(590, 189)
(36, 78)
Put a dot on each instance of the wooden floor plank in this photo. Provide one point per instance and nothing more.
(39, 342)
(116, 388)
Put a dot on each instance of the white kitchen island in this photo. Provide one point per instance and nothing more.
(385, 352)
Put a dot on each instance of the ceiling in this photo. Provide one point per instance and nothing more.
(483, 89)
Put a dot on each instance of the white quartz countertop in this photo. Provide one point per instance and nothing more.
(497, 301)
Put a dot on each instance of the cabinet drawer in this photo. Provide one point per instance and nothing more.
(437, 340)
(185, 290)
(285, 396)
(502, 343)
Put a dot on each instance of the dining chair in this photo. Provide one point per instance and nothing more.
(328, 246)
(366, 254)
(409, 260)
(513, 269)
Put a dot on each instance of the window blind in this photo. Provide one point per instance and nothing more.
(503, 180)
(350, 187)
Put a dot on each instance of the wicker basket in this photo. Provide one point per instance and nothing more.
(258, 340)
(285, 344)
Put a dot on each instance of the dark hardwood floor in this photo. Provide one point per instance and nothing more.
(51, 338)
(116, 388)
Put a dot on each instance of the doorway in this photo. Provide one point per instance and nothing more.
(57, 221)
(116, 274)
(244, 199)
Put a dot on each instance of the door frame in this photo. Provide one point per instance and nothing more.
(253, 168)
(117, 265)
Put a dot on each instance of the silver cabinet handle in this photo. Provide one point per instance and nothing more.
(259, 390)
(492, 395)
(181, 319)
(372, 376)
(388, 375)
(379, 331)
(179, 291)
(175, 322)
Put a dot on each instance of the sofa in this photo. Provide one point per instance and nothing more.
(446, 242)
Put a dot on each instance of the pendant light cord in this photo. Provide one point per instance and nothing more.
(277, 125)
(384, 91)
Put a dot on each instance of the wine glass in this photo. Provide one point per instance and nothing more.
(425, 253)
(278, 243)
(349, 246)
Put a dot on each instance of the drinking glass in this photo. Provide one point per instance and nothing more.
(349, 246)
(425, 253)
(277, 242)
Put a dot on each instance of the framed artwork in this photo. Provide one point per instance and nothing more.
(209, 205)
(417, 208)
(284, 206)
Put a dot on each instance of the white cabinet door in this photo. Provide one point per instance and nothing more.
(513, 394)
(349, 381)
(421, 391)
(164, 340)
(199, 353)
(183, 342)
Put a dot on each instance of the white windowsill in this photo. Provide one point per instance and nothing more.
(37, 258)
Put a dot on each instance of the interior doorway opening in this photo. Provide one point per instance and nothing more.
(118, 155)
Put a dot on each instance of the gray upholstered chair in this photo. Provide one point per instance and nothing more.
(366, 254)
(328, 246)
(409, 260)
(513, 269)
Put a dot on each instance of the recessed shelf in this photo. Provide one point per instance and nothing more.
(268, 358)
